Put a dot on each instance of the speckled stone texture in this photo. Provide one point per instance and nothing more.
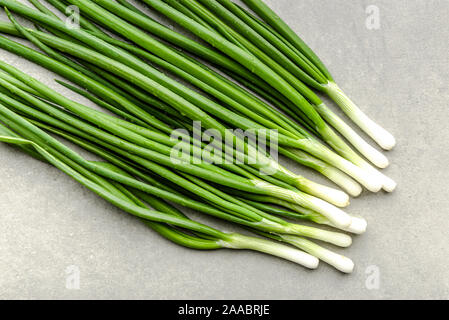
(398, 74)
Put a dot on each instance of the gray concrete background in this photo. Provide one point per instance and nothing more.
(398, 74)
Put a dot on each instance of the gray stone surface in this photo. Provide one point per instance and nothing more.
(398, 74)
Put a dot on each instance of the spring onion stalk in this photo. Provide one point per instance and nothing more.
(337, 196)
(136, 72)
(374, 156)
(247, 100)
(370, 152)
(277, 224)
(380, 135)
(358, 224)
(271, 224)
(255, 65)
(371, 184)
(348, 167)
(339, 239)
(333, 237)
(338, 145)
(154, 59)
(309, 184)
(229, 90)
(277, 41)
(338, 261)
(345, 182)
(17, 51)
(342, 240)
(99, 87)
(338, 177)
(365, 150)
(5, 40)
(223, 240)
(177, 39)
(361, 145)
(334, 214)
(143, 22)
(37, 102)
(182, 74)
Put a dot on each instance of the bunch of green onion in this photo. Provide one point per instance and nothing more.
(253, 73)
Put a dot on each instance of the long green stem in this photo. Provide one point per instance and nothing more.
(66, 71)
(262, 223)
(380, 135)
(120, 199)
(95, 42)
(255, 65)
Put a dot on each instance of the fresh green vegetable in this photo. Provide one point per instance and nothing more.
(380, 135)
(204, 171)
(368, 179)
(82, 81)
(264, 66)
(158, 219)
(155, 101)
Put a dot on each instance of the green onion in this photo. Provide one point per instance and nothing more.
(380, 135)
(250, 68)
(369, 180)
(308, 185)
(333, 213)
(255, 65)
(234, 50)
(21, 50)
(121, 200)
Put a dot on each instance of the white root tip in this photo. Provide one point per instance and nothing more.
(337, 216)
(239, 241)
(336, 238)
(382, 137)
(287, 253)
(341, 240)
(334, 214)
(344, 181)
(385, 139)
(379, 160)
(340, 262)
(303, 259)
(389, 184)
(354, 190)
(331, 195)
(358, 225)
(370, 180)
(372, 154)
(373, 183)
(339, 198)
